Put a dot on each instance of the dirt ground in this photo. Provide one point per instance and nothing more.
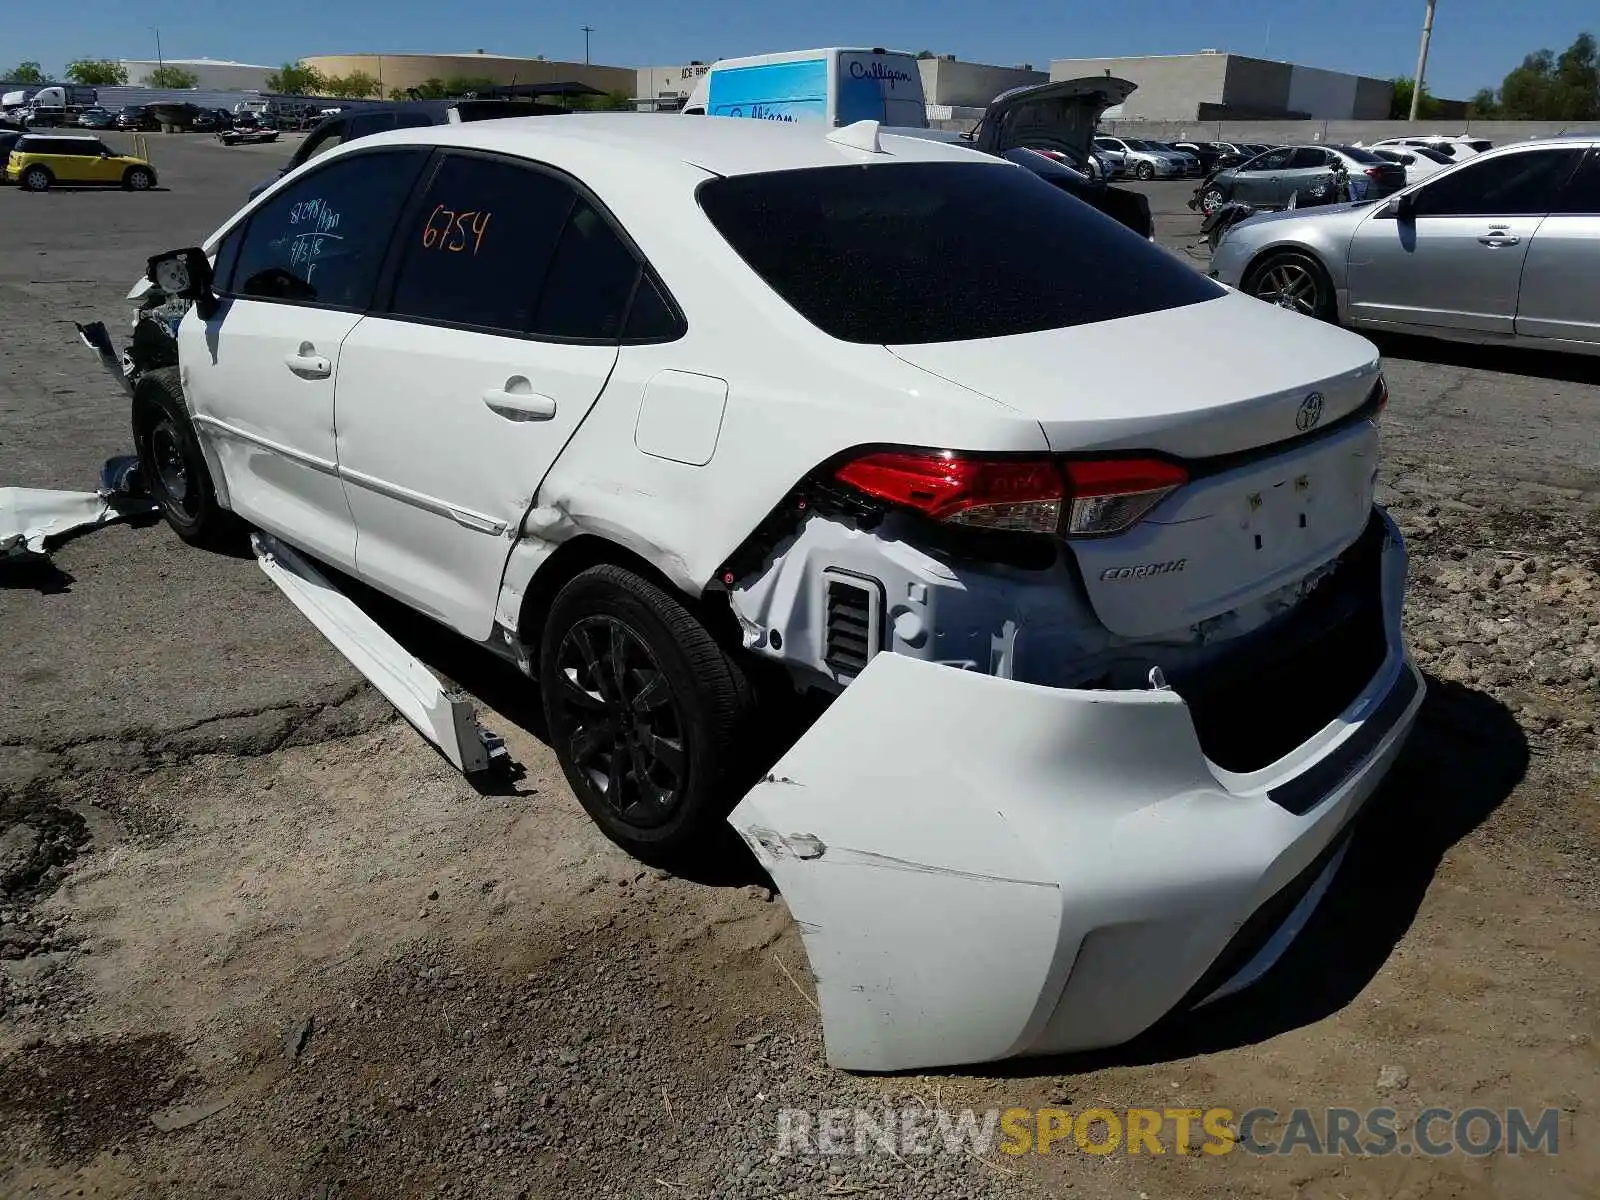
(257, 939)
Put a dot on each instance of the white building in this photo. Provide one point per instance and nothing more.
(213, 73)
(667, 88)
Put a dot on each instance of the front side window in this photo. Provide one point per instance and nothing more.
(1508, 185)
(923, 252)
(322, 239)
(1276, 160)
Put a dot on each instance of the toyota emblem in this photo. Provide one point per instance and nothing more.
(1310, 412)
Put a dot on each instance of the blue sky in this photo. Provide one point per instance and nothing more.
(1475, 41)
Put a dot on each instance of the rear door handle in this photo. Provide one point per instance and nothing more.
(307, 363)
(519, 405)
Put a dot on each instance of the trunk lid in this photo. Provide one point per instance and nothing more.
(1050, 116)
(1238, 390)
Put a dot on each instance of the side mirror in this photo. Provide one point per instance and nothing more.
(185, 273)
(1402, 207)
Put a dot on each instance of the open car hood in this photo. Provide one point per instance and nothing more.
(1050, 116)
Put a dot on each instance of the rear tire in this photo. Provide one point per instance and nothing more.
(36, 179)
(173, 467)
(137, 179)
(1295, 282)
(1144, 172)
(649, 716)
(1211, 200)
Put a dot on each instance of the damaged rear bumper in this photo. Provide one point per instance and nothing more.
(983, 868)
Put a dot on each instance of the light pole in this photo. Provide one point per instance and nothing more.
(156, 29)
(1422, 62)
(587, 30)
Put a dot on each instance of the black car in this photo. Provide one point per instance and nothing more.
(405, 114)
(136, 117)
(1214, 156)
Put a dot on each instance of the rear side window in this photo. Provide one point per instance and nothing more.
(1581, 196)
(941, 252)
(1305, 157)
(1509, 185)
(368, 124)
(322, 239)
(481, 244)
(1360, 154)
(590, 282)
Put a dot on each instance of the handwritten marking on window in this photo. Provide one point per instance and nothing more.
(455, 231)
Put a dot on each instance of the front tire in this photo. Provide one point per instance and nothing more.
(647, 714)
(1211, 200)
(36, 179)
(137, 179)
(1295, 282)
(1144, 172)
(173, 466)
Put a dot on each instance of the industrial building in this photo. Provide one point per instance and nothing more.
(214, 74)
(1214, 86)
(950, 88)
(397, 72)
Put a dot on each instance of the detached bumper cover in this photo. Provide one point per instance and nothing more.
(983, 869)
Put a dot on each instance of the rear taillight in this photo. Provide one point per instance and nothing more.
(1108, 495)
(1072, 497)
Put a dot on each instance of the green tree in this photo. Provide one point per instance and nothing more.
(1551, 88)
(1400, 101)
(171, 77)
(609, 102)
(429, 89)
(460, 85)
(296, 79)
(97, 72)
(1484, 104)
(357, 85)
(24, 72)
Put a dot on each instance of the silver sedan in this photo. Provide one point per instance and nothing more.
(1503, 248)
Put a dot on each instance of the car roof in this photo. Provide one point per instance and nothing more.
(63, 137)
(720, 145)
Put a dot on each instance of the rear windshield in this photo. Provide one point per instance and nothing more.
(919, 252)
(1360, 154)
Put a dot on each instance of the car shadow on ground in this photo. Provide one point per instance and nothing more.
(495, 683)
(1505, 360)
(1465, 755)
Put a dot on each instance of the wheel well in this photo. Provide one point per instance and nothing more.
(132, 167)
(39, 167)
(1248, 274)
(573, 557)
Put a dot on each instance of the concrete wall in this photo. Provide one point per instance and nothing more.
(401, 71)
(963, 84)
(1257, 87)
(212, 75)
(1170, 86)
(1325, 95)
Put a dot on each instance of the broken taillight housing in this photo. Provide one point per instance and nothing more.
(1088, 497)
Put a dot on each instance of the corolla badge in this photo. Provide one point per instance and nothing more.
(1310, 412)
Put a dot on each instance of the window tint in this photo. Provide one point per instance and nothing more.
(321, 240)
(1581, 196)
(651, 319)
(1304, 157)
(368, 124)
(320, 142)
(227, 258)
(412, 120)
(1509, 185)
(1360, 153)
(937, 252)
(481, 245)
(590, 282)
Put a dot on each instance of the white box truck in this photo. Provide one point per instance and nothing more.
(838, 86)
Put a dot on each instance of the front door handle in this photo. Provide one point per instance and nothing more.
(517, 401)
(1496, 237)
(307, 363)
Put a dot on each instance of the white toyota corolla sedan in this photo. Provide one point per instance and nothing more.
(687, 418)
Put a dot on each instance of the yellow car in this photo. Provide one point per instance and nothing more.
(38, 161)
